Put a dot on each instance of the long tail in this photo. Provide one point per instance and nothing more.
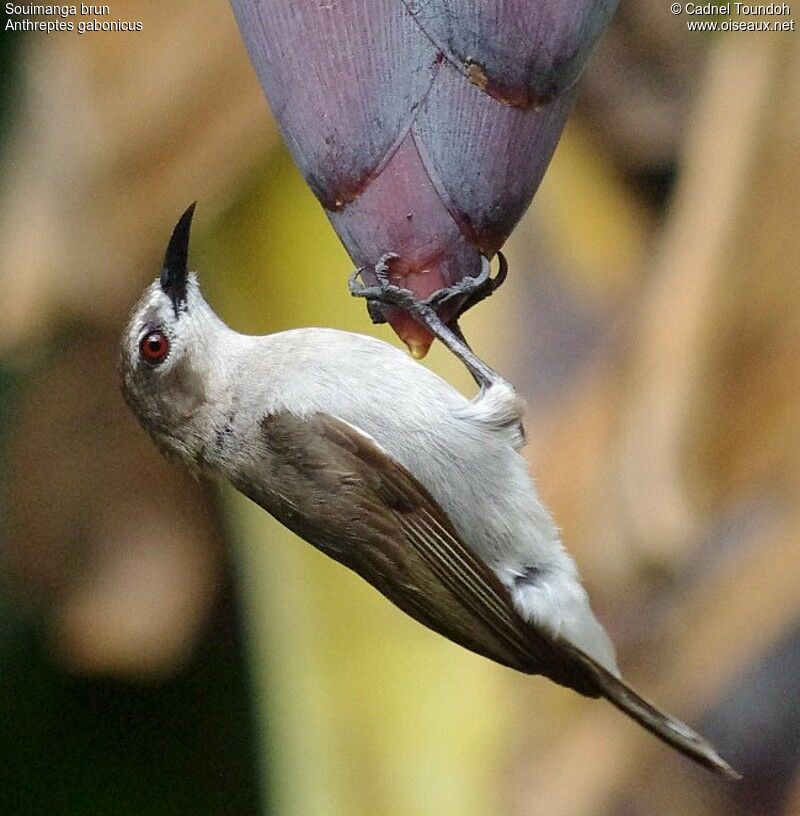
(672, 731)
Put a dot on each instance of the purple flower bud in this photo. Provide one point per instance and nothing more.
(423, 126)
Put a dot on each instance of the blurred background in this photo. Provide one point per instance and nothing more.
(166, 648)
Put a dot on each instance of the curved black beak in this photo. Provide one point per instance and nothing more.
(175, 271)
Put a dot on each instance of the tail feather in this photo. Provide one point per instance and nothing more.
(670, 730)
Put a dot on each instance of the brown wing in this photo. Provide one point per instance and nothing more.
(337, 489)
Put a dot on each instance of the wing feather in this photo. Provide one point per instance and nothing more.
(335, 487)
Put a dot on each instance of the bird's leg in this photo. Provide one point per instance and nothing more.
(385, 293)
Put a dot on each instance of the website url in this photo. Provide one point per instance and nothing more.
(740, 25)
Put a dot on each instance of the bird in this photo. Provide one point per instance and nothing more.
(388, 469)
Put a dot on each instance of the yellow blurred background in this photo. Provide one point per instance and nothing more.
(167, 648)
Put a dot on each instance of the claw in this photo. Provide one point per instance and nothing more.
(385, 293)
(486, 285)
(382, 267)
(371, 294)
(476, 289)
(466, 286)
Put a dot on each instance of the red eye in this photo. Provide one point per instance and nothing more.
(154, 346)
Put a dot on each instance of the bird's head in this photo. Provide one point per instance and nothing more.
(167, 356)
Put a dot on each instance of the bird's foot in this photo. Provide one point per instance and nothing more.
(386, 293)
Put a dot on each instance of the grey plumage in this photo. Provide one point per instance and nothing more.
(385, 467)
